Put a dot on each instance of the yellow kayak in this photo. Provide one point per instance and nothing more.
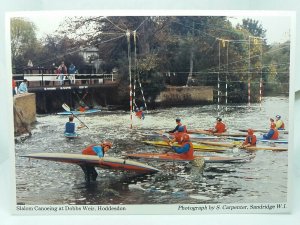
(197, 147)
(237, 144)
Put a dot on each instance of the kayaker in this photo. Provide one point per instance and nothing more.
(95, 149)
(279, 123)
(178, 135)
(186, 150)
(140, 113)
(70, 126)
(250, 139)
(178, 122)
(272, 122)
(220, 127)
(82, 107)
(273, 133)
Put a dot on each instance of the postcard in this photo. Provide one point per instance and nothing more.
(152, 112)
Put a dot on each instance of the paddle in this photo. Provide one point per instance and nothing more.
(67, 108)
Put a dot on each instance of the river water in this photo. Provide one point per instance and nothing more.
(260, 180)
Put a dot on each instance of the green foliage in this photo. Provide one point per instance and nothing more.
(24, 44)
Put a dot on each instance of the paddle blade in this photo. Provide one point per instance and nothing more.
(66, 107)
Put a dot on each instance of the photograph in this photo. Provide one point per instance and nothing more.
(151, 113)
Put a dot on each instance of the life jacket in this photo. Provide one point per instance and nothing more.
(70, 127)
(139, 114)
(189, 155)
(250, 139)
(81, 109)
(178, 137)
(220, 127)
(14, 84)
(89, 150)
(275, 135)
(282, 125)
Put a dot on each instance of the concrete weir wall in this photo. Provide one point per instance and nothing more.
(24, 112)
(184, 95)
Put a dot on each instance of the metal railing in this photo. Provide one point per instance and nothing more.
(55, 79)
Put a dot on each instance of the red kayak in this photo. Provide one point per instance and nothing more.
(177, 157)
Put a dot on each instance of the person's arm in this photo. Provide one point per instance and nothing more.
(182, 149)
(175, 129)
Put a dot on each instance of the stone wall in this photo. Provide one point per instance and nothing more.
(184, 95)
(24, 112)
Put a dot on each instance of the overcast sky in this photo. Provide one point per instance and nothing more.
(278, 27)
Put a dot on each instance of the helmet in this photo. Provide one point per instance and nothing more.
(278, 116)
(178, 120)
(250, 131)
(219, 119)
(107, 143)
(186, 137)
(180, 129)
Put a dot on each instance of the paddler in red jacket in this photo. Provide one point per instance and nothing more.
(178, 135)
(273, 133)
(250, 139)
(100, 150)
(186, 150)
(220, 127)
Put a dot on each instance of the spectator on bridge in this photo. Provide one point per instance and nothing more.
(14, 87)
(72, 71)
(23, 87)
(61, 72)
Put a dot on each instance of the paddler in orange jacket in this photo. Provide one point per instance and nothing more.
(273, 133)
(100, 150)
(186, 150)
(178, 135)
(220, 127)
(140, 113)
(250, 139)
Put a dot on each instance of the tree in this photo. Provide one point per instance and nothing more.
(23, 41)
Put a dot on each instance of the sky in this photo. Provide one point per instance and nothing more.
(278, 27)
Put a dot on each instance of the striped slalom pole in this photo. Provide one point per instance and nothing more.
(218, 93)
(226, 93)
(219, 77)
(142, 94)
(249, 92)
(260, 92)
(129, 71)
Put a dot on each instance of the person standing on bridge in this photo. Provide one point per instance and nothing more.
(72, 71)
(61, 72)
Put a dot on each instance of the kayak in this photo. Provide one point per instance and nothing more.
(252, 148)
(71, 135)
(265, 131)
(192, 136)
(282, 141)
(199, 147)
(88, 111)
(106, 163)
(206, 132)
(177, 157)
